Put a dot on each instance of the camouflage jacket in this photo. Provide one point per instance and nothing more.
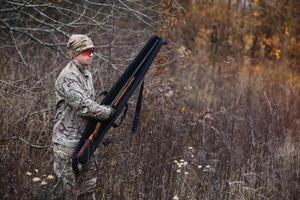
(75, 97)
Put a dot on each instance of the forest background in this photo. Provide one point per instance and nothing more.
(221, 110)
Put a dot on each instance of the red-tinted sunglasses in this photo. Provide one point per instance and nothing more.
(87, 52)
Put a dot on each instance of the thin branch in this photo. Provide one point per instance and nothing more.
(269, 104)
(15, 43)
(32, 114)
(27, 142)
(138, 13)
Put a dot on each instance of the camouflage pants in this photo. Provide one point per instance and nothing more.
(69, 185)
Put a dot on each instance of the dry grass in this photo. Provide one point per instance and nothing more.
(215, 125)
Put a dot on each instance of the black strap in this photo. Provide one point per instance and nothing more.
(115, 125)
(138, 107)
(75, 164)
(104, 93)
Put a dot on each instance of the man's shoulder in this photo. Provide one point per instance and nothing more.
(69, 70)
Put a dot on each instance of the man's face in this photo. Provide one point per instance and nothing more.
(85, 57)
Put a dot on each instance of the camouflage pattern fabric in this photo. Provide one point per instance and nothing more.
(78, 43)
(75, 102)
(69, 186)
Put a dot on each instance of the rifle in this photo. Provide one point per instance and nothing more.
(117, 98)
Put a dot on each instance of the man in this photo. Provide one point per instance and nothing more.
(75, 103)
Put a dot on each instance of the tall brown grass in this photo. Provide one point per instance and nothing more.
(217, 123)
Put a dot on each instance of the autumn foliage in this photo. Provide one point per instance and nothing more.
(220, 116)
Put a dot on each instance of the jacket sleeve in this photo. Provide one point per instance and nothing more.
(69, 88)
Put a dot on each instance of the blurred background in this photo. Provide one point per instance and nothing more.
(220, 116)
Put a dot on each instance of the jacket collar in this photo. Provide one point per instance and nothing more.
(80, 67)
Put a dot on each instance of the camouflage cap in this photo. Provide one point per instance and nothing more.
(78, 43)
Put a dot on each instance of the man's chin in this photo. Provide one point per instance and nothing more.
(88, 62)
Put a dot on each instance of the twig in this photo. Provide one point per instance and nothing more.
(269, 103)
(15, 43)
(33, 145)
(31, 114)
(252, 131)
(27, 142)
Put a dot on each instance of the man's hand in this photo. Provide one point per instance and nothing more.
(112, 111)
(108, 112)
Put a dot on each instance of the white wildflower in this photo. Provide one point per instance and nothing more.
(191, 148)
(186, 173)
(50, 177)
(36, 170)
(199, 166)
(28, 173)
(178, 170)
(207, 166)
(36, 179)
(192, 156)
(169, 94)
(43, 183)
(179, 165)
(181, 160)
(175, 161)
(185, 163)
(188, 87)
(176, 197)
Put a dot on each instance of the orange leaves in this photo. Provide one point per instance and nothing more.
(277, 53)
(248, 39)
(255, 14)
(274, 44)
(183, 109)
(256, 2)
(286, 31)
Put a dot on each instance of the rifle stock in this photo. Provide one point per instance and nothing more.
(90, 140)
